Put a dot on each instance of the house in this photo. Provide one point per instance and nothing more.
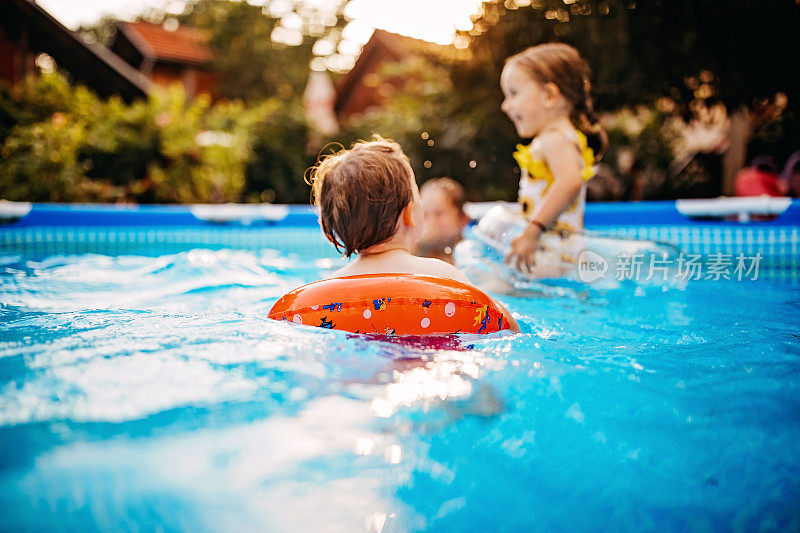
(360, 89)
(27, 30)
(167, 54)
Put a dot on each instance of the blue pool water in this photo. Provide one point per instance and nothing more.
(149, 391)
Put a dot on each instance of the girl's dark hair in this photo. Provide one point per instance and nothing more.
(562, 65)
(361, 193)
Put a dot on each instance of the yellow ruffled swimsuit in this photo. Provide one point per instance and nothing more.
(537, 178)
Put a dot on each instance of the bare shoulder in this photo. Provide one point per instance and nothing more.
(559, 151)
(346, 270)
(554, 139)
(411, 264)
(437, 267)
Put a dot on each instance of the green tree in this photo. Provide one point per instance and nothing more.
(252, 65)
(70, 145)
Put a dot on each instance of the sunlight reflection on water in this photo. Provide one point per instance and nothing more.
(154, 388)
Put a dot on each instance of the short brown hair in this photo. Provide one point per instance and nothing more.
(452, 189)
(361, 193)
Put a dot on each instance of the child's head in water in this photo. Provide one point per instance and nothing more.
(369, 205)
(545, 83)
(365, 195)
(445, 219)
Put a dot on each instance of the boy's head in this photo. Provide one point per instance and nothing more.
(443, 199)
(361, 193)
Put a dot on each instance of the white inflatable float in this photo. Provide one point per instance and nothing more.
(580, 258)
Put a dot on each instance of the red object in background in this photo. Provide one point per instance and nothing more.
(758, 180)
(791, 174)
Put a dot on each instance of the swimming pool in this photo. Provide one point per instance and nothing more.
(141, 386)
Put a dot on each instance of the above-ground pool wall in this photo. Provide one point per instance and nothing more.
(705, 227)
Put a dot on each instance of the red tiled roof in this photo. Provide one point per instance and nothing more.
(184, 45)
(384, 45)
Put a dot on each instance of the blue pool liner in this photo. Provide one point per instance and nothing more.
(601, 214)
(55, 229)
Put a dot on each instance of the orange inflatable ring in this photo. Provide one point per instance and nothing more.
(392, 304)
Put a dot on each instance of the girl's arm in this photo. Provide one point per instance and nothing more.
(565, 164)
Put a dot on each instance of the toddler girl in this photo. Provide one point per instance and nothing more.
(546, 90)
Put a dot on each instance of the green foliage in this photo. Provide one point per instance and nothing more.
(62, 143)
(65, 144)
(120, 143)
(39, 162)
(647, 131)
(278, 157)
(251, 66)
(37, 99)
